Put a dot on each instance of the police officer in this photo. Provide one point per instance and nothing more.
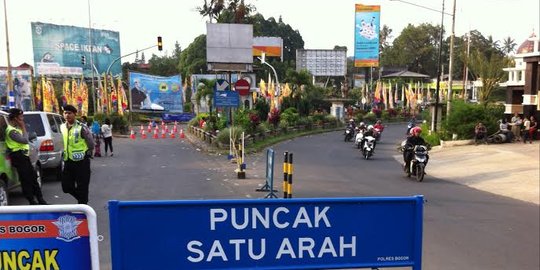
(17, 148)
(78, 145)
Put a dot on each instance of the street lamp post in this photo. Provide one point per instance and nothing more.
(451, 62)
(9, 88)
(437, 87)
(263, 60)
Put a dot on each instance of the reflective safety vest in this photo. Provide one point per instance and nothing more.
(14, 146)
(74, 144)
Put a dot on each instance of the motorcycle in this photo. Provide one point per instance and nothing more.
(377, 132)
(367, 148)
(418, 163)
(410, 125)
(358, 139)
(349, 133)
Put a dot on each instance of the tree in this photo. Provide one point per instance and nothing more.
(509, 45)
(236, 12)
(384, 35)
(193, 58)
(489, 69)
(211, 9)
(205, 90)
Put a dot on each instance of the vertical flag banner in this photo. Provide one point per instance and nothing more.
(366, 35)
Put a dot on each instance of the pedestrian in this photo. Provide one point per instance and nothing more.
(525, 131)
(78, 146)
(17, 146)
(480, 132)
(533, 128)
(96, 133)
(516, 126)
(106, 130)
(84, 120)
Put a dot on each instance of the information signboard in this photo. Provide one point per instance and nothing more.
(48, 237)
(226, 99)
(267, 234)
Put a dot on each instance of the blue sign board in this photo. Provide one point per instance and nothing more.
(267, 234)
(226, 99)
(44, 241)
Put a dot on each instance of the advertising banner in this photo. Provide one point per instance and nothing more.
(271, 46)
(22, 87)
(48, 237)
(267, 234)
(366, 36)
(322, 62)
(59, 50)
(156, 93)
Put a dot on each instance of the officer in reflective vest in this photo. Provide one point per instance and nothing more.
(17, 149)
(78, 145)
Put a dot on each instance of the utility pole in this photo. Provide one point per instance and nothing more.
(91, 57)
(9, 79)
(450, 64)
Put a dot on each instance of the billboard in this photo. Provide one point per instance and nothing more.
(322, 62)
(271, 46)
(149, 92)
(316, 233)
(59, 49)
(229, 47)
(366, 35)
(22, 87)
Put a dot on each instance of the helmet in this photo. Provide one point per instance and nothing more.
(351, 120)
(378, 122)
(370, 127)
(416, 130)
(362, 124)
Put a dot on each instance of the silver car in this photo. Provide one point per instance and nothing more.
(49, 141)
(9, 179)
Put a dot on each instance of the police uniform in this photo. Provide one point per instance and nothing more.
(18, 154)
(77, 143)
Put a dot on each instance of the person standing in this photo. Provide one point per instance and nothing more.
(532, 129)
(106, 129)
(516, 126)
(78, 146)
(525, 131)
(96, 133)
(17, 145)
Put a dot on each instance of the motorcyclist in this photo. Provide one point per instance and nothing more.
(352, 127)
(362, 126)
(410, 125)
(369, 132)
(351, 124)
(378, 128)
(413, 140)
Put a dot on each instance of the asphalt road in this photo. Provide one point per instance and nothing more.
(464, 228)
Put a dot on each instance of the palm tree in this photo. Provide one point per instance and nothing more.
(205, 90)
(509, 45)
(489, 69)
(212, 9)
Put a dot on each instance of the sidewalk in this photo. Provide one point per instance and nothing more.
(511, 170)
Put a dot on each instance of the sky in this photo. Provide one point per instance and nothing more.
(322, 24)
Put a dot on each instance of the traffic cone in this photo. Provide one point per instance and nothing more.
(163, 134)
(132, 135)
(143, 134)
(149, 126)
(155, 136)
(175, 128)
(182, 133)
(173, 135)
(166, 129)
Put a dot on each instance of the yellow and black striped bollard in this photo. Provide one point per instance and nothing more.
(285, 174)
(290, 173)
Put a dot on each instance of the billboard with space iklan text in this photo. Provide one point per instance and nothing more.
(366, 35)
(267, 234)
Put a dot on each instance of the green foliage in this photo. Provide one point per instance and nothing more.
(193, 58)
(290, 115)
(465, 116)
(432, 139)
(188, 107)
(370, 117)
(119, 123)
(224, 138)
(304, 121)
(489, 68)
(262, 107)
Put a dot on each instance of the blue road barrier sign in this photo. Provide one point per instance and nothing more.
(48, 237)
(267, 234)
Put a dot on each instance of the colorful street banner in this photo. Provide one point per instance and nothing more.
(271, 46)
(22, 87)
(58, 49)
(366, 36)
(156, 93)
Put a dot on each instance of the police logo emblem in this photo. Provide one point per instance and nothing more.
(67, 228)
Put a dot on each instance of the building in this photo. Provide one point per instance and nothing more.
(523, 85)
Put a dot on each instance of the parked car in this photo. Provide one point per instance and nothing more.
(49, 140)
(9, 179)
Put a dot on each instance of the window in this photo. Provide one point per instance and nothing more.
(54, 126)
(34, 123)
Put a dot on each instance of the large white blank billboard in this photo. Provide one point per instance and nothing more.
(322, 62)
(229, 43)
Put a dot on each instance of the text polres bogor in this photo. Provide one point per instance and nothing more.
(304, 220)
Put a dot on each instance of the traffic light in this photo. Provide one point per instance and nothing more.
(159, 44)
(83, 60)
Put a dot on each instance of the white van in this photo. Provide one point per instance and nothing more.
(49, 140)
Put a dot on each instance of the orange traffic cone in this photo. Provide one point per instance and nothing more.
(149, 126)
(132, 135)
(163, 134)
(166, 129)
(175, 128)
(182, 135)
(173, 135)
(155, 136)
(143, 134)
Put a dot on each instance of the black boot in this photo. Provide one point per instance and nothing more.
(42, 201)
(32, 202)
